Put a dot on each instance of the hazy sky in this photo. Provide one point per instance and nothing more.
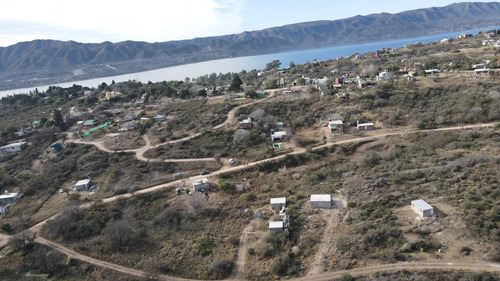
(94, 21)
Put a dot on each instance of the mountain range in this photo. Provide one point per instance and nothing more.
(54, 61)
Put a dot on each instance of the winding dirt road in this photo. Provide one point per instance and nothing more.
(238, 273)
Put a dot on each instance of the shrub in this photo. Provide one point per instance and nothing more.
(6, 227)
(74, 196)
(204, 245)
(224, 185)
(266, 252)
(346, 277)
(221, 268)
(247, 197)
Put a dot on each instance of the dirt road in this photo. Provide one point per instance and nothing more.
(239, 265)
(325, 246)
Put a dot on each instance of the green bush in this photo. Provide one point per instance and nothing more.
(247, 197)
(224, 185)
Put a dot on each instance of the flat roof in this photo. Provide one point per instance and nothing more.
(275, 224)
(366, 124)
(89, 122)
(14, 144)
(202, 180)
(82, 182)
(321, 197)
(246, 121)
(336, 122)
(280, 200)
(279, 134)
(421, 204)
(10, 195)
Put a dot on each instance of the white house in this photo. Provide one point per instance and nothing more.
(13, 147)
(422, 208)
(83, 185)
(277, 226)
(365, 126)
(384, 75)
(431, 71)
(278, 202)
(277, 136)
(9, 197)
(321, 201)
(201, 184)
(482, 71)
(160, 118)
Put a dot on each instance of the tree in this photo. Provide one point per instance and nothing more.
(197, 202)
(241, 136)
(221, 268)
(58, 122)
(118, 233)
(301, 81)
(292, 64)
(202, 93)
(235, 84)
(251, 94)
(271, 84)
(273, 65)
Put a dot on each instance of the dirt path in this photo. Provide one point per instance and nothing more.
(409, 266)
(139, 152)
(108, 265)
(239, 269)
(239, 266)
(326, 245)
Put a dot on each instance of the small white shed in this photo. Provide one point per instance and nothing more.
(278, 203)
(321, 201)
(201, 184)
(276, 226)
(422, 208)
(83, 185)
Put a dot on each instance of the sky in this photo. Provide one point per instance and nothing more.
(95, 21)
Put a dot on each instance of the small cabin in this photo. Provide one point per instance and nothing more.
(321, 201)
(336, 126)
(277, 136)
(246, 124)
(9, 197)
(365, 126)
(422, 208)
(13, 147)
(83, 185)
(277, 226)
(201, 184)
(278, 203)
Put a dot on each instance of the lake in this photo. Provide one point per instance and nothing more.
(248, 63)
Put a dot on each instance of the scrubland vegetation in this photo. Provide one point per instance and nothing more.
(197, 235)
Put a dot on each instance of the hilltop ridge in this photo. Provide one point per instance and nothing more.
(52, 61)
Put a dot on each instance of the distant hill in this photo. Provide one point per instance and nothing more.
(57, 61)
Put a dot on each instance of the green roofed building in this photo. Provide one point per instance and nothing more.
(90, 123)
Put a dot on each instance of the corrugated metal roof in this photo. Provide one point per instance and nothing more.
(421, 204)
(276, 224)
(281, 200)
(83, 182)
(321, 197)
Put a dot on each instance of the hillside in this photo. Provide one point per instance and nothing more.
(53, 61)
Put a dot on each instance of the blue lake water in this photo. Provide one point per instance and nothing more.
(248, 63)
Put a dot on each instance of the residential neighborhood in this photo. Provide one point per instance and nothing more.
(386, 158)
